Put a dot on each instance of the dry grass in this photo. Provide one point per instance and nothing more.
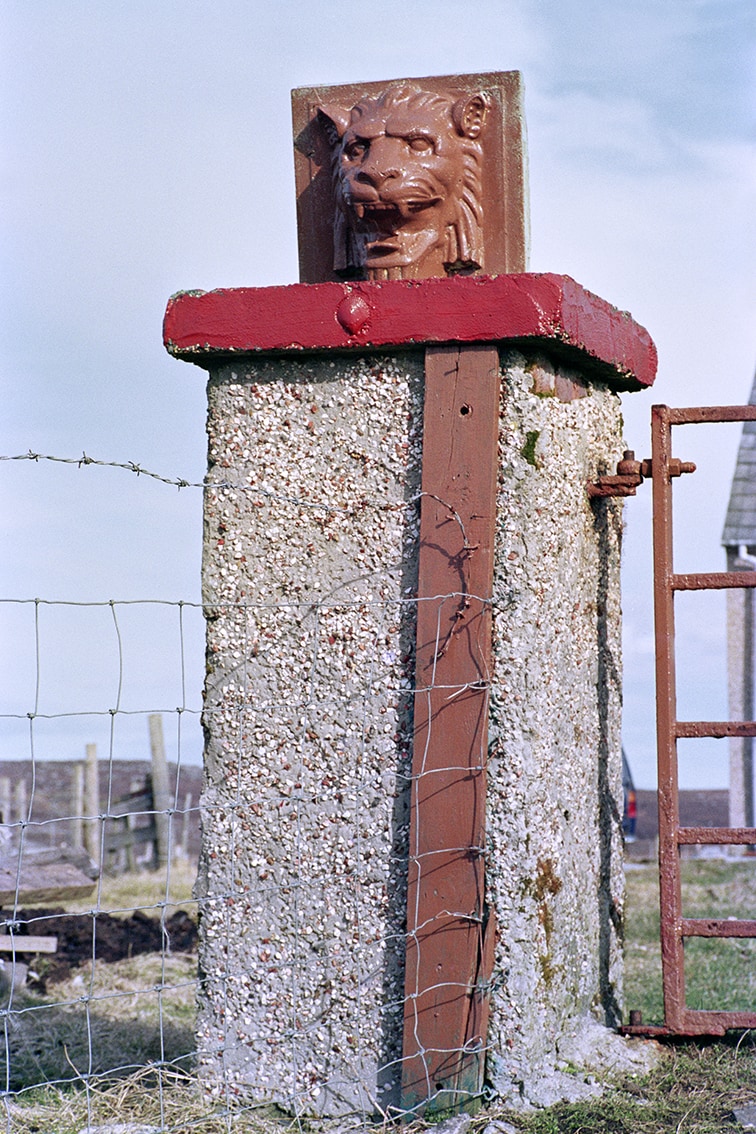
(151, 1099)
(106, 1020)
(692, 1091)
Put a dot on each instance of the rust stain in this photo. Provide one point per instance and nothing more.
(547, 881)
(545, 885)
(552, 383)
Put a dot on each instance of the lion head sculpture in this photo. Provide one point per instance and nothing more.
(407, 181)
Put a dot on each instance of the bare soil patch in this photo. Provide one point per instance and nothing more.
(84, 936)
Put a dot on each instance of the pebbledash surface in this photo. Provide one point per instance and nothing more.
(309, 579)
(310, 576)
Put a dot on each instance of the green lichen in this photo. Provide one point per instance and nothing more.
(529, 448)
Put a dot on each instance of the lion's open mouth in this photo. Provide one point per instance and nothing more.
(388, 214)
(378, 248)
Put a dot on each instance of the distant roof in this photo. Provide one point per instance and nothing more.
(740, 523)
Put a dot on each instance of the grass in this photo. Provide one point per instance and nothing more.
(145, 890)
(718, 973)
(692, 1091)
(104, 1023)
(167, 1100)
(110, 1018)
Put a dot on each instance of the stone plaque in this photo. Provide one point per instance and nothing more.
(411, 179)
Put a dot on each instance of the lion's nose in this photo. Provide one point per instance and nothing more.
(375, 175)
(381, 163)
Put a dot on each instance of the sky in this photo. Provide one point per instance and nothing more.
(147, 150)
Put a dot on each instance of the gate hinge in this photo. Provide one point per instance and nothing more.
(631, 473)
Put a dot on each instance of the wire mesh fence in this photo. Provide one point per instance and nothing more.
(100, 901)
(99, 791)
(100, 779)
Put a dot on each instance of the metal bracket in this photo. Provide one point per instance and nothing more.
(631, 474)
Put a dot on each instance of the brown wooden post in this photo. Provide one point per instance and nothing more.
(185, 826)
(21, 800)
(449, 937)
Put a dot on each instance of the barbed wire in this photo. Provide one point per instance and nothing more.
(180, 482)
(128, 466)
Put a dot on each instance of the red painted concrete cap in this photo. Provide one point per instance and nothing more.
(516, 309)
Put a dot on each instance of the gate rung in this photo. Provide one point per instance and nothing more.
(717, 836)
(713, 581)
(712, 1022)
(696, 729)
(699, 415)
(716, 927)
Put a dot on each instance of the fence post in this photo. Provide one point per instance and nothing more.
(77, 805)
(185, 826)
(21, 800)
(310, 586)
(326, 619)
(6, 811)
(92, 827)
(160, 790)
(450, 929)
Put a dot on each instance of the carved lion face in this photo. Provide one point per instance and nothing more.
(407, 180)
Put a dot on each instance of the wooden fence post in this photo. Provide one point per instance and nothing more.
(185, 827)
(77, 805)
(160, 790)
(21, 800)
(92, 826)
(5, 800)
(449, 932)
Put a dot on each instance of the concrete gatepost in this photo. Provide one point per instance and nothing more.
(310, 590)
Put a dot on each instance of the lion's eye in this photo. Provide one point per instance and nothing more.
(420, 145)
(356, 150)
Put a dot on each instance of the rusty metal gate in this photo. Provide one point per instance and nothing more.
(675, 928)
